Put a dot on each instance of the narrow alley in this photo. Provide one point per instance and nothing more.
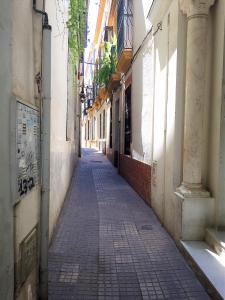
(108, 244)
(112, 155)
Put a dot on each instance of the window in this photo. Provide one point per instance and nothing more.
(100, 126)
(71, 106)
(124, 25)
(88, 130)
(128, 129)
(110, 128)
(108, 34)
(94, 121)
(103, 135)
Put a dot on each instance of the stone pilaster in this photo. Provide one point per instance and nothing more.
(194, 206)
(197, 12)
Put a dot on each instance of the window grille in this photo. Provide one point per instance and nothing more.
(124, 25)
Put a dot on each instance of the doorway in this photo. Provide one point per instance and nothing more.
(127, 129)
(117, 134)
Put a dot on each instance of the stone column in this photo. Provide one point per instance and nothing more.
(197, 12)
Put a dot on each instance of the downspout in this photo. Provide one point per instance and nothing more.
(43, 13)
(45, 154)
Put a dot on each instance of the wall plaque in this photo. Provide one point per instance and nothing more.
(28, 252)
(28, 148)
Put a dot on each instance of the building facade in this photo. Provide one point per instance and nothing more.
(39, 119)
(165, 111)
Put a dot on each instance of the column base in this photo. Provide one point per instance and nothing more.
(193, 190)
(194, 213)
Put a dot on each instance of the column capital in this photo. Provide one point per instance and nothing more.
(194, 8)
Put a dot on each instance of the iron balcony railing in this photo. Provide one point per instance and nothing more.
(124, 25)
(88, 103)
(91, 93)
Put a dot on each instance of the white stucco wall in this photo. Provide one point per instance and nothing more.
(172, 143)
(63, 151)
(159, 123)
(157, 115)
(141, 23)
(142, 85)
(169, 78)
(216, 151)
(142, 104)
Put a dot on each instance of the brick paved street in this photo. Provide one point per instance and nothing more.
(108, 244)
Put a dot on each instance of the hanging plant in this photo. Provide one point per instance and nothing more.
(77, 27)
(107, 63)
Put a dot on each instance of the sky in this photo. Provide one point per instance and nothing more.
(92, 18)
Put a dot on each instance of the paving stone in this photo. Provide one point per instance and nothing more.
(108, 244)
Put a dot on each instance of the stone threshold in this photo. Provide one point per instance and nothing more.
(216, 239)
(208, 265)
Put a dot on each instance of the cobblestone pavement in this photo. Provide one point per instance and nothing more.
(108, 243)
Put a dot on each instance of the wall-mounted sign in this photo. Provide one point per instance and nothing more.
(28, 148)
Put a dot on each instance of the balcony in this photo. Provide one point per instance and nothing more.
(97, 103)
(124, 34)
(88, 104)
(114, 82)
(115, 77)
(103, 93)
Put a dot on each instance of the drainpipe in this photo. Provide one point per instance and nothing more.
(45, 154)
(41, 12)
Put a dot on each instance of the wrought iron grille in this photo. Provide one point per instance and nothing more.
(88, 103)
(124, 25)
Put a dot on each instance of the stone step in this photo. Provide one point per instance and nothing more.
(209, 266)
(216, 239)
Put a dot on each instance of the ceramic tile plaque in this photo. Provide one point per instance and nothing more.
(28, 148)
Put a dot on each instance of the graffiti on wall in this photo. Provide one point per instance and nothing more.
(28, 148)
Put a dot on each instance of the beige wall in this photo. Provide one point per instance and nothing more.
(26, 51)
(169, 99)
(6, 212)
(26, 64)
